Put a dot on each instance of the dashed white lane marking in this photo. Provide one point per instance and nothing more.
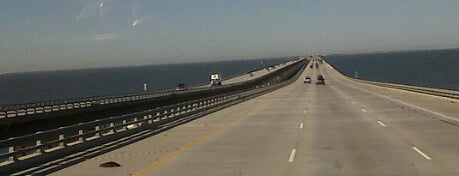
(407, 104)
(305, 111)
(353, 102)
(381, 123)
(363, 110)
(421, 153)
(291, 158)
(301, 125)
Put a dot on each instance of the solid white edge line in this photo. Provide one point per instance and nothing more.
(407, 104)
(381, 123)
(291, 158)
(301, 125)
(421, 153)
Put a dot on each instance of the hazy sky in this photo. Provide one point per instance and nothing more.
(70, 34)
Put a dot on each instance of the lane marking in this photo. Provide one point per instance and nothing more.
(301, 125)
(393, 99)
(404, 103)
(291, 158)
(199, 140)
(381, 123)
(305, 111)
(353, 102)
(363, 110)
(421, 153)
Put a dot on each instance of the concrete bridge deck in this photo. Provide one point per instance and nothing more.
(342, 128)
(257, 73)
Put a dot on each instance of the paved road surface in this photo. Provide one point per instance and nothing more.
(342, 128)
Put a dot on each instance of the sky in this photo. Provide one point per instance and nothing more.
(37, 35)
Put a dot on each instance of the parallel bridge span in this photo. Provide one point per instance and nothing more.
(29, 150)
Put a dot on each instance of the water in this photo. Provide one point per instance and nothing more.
(32, 87)
(432, 68)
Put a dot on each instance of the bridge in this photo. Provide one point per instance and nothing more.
(278, 126)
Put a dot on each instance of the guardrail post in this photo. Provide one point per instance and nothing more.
(81, 138)
(97, 128)
(112, 130)
(150, 120)
(158, 116)
(61, 138)
(136, 120)
(37, 143)
(13, 158)
(124, 125)
(39, 150)
(164, 115)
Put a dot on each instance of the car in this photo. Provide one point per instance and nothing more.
(320, 80)
(181, 87)
(307, 79)
(311, 66)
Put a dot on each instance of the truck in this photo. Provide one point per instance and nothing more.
(215, 79)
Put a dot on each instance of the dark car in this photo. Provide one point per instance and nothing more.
(312, 66)
(307, 79)
(181, 87)
(320, 80)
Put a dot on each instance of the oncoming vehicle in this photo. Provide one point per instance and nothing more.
(320, 80)
(307, 79)
(181, 87)
(215, 79)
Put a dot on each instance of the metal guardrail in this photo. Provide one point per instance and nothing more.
(424, 90)
(54, 106)
(24, 150)
(22, 110)
(48, 141)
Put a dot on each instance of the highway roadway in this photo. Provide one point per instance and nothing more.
(342, 128)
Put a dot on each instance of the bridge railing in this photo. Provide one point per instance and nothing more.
(42, 142)
(25, 151)
(54, 106)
